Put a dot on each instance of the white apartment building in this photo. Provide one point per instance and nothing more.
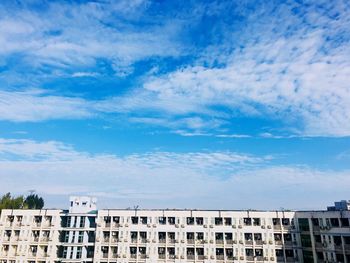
(85, 234)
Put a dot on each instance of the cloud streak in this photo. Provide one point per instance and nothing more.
(158, 179)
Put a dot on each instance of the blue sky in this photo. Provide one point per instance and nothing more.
(197, 104)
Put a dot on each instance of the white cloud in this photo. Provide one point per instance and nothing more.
(71, 34)
(166, 179)
(299, 78)
(37, 105)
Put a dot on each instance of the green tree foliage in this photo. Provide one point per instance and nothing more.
(33, 201)
(9, 202)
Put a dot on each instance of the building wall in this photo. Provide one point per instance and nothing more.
(174, 236)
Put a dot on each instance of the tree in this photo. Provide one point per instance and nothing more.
(9, 202)
(33, 201)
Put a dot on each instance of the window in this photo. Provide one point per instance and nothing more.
(171, 220)
(65, 252)
(256, 221)
(116, 219)
(66, 236)
(257, 236)
(228, 236)
(249, 252)
(228, 221)
(278, 237)
(287, 237)
(304, 224)
(143, 236)
(200, 235)
(259, 252)
(199, 221)
(142, 250)
(248, 236)
(289, 253)
(218, 221)
(134, 220)
(276, 221)
(219, 237)
(171, 236)
(190, 237)
(285, 221)
(247, 221)
(337, 240)
(334, 222)
(190, 220)
(162, 220)
(143, 220)
(305, 240)
(162, 237)
(133, 250)
(81, 237)
(133, 236)
(82, 221)
(107, 219)
(315, 222)
(279, 253)
(200, 251)
(105, 251)
(344, 222)
(79, 249)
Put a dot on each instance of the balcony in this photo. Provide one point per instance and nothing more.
(161, 256)
(190, 241)
(249, 258)
(190, 257)
(220, 257)
(219, 241)
(44, 239)
(259, 242)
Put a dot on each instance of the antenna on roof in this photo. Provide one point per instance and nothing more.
(135, 208)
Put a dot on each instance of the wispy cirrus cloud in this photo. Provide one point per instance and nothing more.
(289, 64)
(69, 35)
(292, 72)
(155, 179)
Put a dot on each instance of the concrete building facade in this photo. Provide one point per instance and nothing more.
(84, 234)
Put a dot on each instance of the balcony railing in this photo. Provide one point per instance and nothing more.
(190, 241)
(258, 242)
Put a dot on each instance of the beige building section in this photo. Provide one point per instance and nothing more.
(84, 235)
